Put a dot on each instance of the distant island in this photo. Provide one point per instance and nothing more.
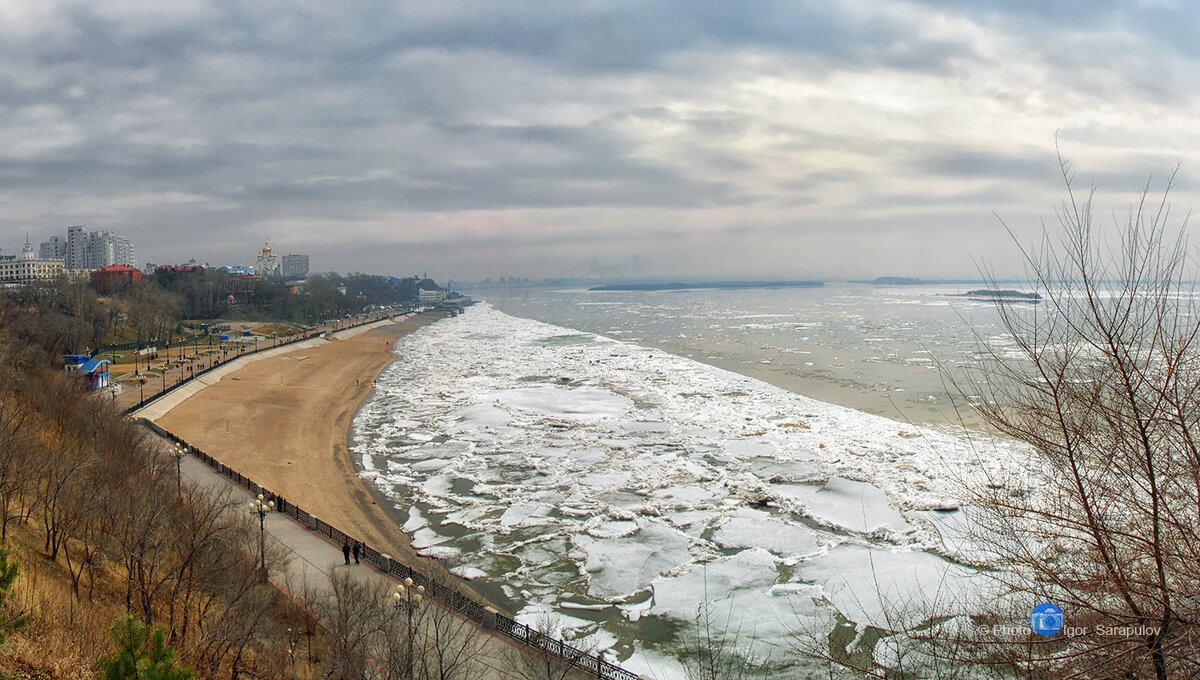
(993, 294)
(711, 284)
(913, 281)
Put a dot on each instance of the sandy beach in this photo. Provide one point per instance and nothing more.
(284, 422)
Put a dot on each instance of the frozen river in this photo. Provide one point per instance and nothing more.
(612, 487)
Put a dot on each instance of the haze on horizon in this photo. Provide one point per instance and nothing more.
(845, 139)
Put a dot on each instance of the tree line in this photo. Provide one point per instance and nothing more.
(67, 316)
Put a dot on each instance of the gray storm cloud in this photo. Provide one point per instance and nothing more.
(551, 139)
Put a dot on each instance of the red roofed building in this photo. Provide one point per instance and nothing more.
(114, 277)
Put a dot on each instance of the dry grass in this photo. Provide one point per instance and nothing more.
(276, 330)
(64, 635)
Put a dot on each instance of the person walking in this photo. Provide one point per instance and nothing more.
(357, 547)
(346, 551)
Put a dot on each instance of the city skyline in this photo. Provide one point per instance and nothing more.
(813, 140)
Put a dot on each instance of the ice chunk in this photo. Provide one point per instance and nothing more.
(679, 596)
(741, 595)
(582, 403)
(468, 572)
(613, 529)
(543, 618)
(415, 520)
(526, 514)
(685, 496)
(856, 506)
(430, 465)
(754, 529)
(427, 538)
(619, 566)
(481, 415)
(605, 479)
(959, 534)
(888, 589)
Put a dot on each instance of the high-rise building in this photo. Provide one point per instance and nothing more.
(294, 267)
(77, 247)
(54, 248)
(106, 249)
(96, 249)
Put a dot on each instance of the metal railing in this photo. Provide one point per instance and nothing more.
(447, 597)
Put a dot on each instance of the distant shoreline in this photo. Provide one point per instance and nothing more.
(707, 285)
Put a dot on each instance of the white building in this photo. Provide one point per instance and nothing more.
(76, 248)
(95, 250)
(105, 249)
(54, 248)
(267, 264)
(294, 267)
(431, 297)
(26, 267)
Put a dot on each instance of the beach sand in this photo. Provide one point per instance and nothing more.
(284, 422)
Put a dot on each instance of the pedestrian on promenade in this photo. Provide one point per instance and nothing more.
(346, 551)
(357, 547)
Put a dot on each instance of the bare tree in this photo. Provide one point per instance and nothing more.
(1103, 518)
(354, 614)
(713, 648)
(545, 656)
(18, 468)
(447, 646)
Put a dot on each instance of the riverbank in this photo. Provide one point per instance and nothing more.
(284, 421)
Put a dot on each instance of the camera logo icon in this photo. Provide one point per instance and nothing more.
(1046, 619)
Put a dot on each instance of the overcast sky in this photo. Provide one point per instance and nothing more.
(737, 139)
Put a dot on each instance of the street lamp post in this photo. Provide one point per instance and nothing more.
(179, 452)
(408, 597)
(258, 507)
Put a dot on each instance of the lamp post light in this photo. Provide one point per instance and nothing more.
(258, 507)
(408, 597)
(179, 451)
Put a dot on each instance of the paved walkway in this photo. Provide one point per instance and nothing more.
(313, 558)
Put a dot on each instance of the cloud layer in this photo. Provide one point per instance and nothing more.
(818, 139)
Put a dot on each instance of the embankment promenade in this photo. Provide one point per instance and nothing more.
(284, 420)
